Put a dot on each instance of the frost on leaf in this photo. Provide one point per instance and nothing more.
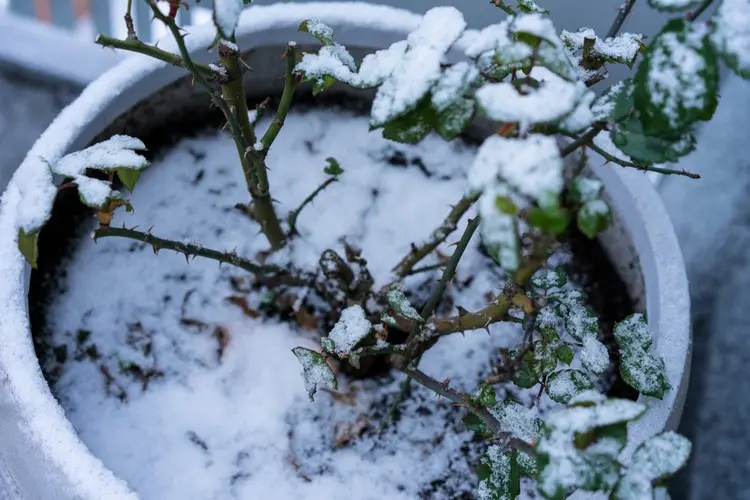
(563, 385)
(603, 108)
(731, 35)
(524, 424)
(496, 52)
(594, 356)
(677, 82)
(577, 449)
(399, 303)
(639, 368)
(499, 477)
(621, 49)
(315, 371)
(351, 328)
(227, 15)
(654, 461)
(530, 7)
(579, 321)
(452, 85)
(531, 165)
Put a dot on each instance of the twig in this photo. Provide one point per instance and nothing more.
(583, 140)
(290, 84)
(187, 249)
(438, 236)
(292, 218)
(622, 14)
(135, 45)
(424, 269)
(692, 16)
(638, 166)
(461, 399)
(129, 22)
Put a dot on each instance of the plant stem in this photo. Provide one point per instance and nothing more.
(622, 14)
(645, 168)
(290, 84)
(292, 218)
(135, 45)
(461, 399)
(583, 140)
(692, 16)
(438, 236)
(187, 249)
(129, 22)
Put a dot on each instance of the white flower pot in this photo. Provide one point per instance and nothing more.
(41, 457)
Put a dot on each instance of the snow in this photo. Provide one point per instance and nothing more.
(351, 328)
(452, 84)
(672, 4)
(594, 355)
(732, 32)
(400, 303)
(227, 15)
(315, 371)
(622, 48)
(495, 39)
(498, 229)
(531, 165)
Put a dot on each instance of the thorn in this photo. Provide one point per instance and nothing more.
(461, 311)
(156, 249)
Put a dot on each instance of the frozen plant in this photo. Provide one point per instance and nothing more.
(528, 186)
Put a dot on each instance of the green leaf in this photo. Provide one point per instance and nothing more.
(526, 377)
(579, 321)
(530, 7)
(333, 167)
(678, 81)
(322, 32)
(551, 218)
(323, 84)
(28, 245)
(499, 475)
(731, 35)
(565, 354)
(476, 425)
(600, 473)
(506, 205)
(614, 103)
(401, 305)
(639, 368)
(315, 371)
(412, 127)
(594, 217)
(454, 119)
(583, 189)
(547, 279)
(545, 358)
(486, 396)
(128, 177)
(561, 386)
(630, 138)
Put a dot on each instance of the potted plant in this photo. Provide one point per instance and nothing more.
(351, 272)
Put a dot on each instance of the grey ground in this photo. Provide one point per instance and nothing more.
(712, 220)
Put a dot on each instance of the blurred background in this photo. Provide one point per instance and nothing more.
(47, 56)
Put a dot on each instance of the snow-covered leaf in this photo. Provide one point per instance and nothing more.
(530, 7)
(453, 84)
(630, 138)
(531, 165)
(226, 15)
(499, 477)
(579, 321)
(28, 245)
(655, 460)
(549, 216)
(454, 119)
(731, 34)
(639, 368)
(412, 127)
(315, 371)
(523, 423)
(562, 385)
(351, 328)
(545, 358)
(547, 279)
(321, 31)
(499, 230)
(671, 5)
(476, 425)
(485, 396)
(594, 356)
(583, 189)
(400, 303)
(594, 217)
(678, 80)
(419, 69)
(604, 107)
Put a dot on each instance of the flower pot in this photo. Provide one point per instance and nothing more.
(42, 457)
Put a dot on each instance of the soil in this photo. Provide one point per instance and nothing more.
(588, 267)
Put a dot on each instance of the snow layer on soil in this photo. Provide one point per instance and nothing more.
(242, 426)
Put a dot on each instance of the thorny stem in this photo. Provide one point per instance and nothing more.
(461, 399)
(263, 210)
(187, 249)
(135, 45)
(692, 16)
(129, 22)
(438, 236)
(290, 84)
(583, 140)
(292, 218)
(622, 14)
(638, 166)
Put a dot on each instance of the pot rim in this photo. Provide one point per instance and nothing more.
(40, 416)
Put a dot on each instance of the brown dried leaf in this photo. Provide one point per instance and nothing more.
(221, 334)
(306, 320)
(345, 432)
(241, 302)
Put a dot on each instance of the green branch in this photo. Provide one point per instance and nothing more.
(638, 166)
(186, 249)
(290, 84)
(137, 46)
(292, 218)
(438, 236)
